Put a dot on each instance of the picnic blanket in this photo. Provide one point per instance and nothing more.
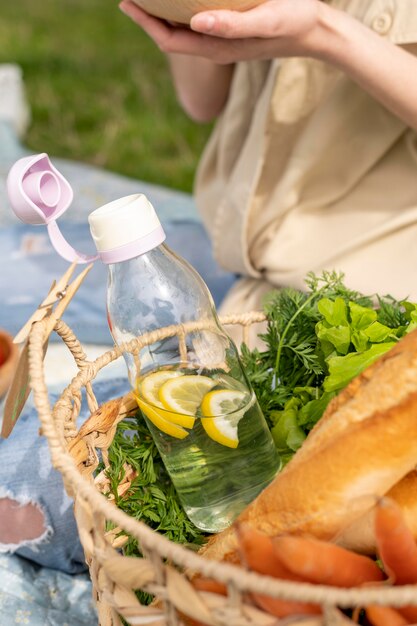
(40, 596)
(31, 594)
(30, 264)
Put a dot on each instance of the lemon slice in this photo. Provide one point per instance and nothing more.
(167, 427)
(224, 404)
(148, 389)
(184, 394)
(150, 384)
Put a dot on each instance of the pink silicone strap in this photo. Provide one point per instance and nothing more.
(63, 248)
(39, 194)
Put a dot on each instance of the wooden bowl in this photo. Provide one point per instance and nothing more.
(9, 354)
(182, 10)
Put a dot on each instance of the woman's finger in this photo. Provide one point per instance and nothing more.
(182, 40)
(262, 22)
(168, 38)
(143, 19)
(131, 9)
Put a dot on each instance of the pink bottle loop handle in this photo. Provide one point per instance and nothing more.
(64, 249)
(39, 194)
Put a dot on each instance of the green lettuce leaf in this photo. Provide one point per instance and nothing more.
(342, 369)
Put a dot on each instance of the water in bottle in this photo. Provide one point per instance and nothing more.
(188, 380)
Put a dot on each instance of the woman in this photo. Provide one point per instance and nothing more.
(312, 163)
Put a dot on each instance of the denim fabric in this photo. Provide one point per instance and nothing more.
(38, 596)
(26, 474)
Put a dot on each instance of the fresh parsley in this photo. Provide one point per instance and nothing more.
(151, 497)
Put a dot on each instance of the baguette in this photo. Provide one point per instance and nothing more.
(364, 445)
(360, 535)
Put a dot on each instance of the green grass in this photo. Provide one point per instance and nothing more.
(99, 89)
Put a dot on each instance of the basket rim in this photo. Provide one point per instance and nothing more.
(232, 575)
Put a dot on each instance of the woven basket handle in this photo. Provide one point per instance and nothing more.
(98, 432)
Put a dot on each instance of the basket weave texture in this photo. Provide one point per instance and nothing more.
(165, 569)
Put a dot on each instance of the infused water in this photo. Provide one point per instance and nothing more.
(213, 439)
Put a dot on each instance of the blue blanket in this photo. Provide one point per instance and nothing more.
(31, 594)
(30, 264)
(43, 597)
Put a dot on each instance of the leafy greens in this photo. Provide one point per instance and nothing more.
(315, 343)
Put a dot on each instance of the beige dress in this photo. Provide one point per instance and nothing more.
(305, 171)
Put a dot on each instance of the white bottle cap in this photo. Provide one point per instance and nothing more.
(125, 228)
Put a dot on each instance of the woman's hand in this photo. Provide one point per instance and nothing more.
(283, 28)
(277, 28)
(202, 86)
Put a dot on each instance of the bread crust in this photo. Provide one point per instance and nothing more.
(360, 535)
(363, 446)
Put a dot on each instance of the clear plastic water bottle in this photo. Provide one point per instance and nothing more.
(189, 382)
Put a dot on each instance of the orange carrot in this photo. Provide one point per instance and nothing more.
(322, 562)
(258, 555)
(203, 584)
(190, 621)
(385, 616)
(395, 543)
(284, 608)
(409, 612)
(211, 585)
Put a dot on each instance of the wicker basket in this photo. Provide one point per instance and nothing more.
(75, 454)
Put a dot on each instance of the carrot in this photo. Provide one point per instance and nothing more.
(211, 585)
(322, 562)
(385, 616)
(395, 543)
(409, 612)
(203, 584)
(190, 621)
(284, 608)
(258, 555)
